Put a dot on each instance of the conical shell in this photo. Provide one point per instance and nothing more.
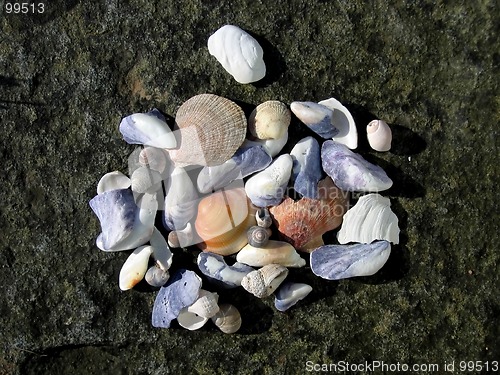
(222, 221)
(379, 135)
(228, 319)
(211, 130)
(269, 120)
(265, 281)
(303, 222)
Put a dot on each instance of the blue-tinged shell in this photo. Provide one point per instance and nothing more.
(316, 117)
(181, 291)
(335, 262)
(148, 129)
(215, 268)
(306, 170)
(252, 159)
(289, 294)
(350, 172)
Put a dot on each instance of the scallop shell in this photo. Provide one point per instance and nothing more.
(303, 222)
(211, 130)
(206, 305)
(379, 135)
(269, 120)
(113, 181)
(274, 252)
(222, 221)
(135, 267)
(258, 236)
(228, 319)
(264, 281)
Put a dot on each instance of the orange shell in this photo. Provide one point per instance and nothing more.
(302, 223)
(223, 220)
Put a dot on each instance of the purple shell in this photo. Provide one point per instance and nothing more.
(316, 117)
(215, 268)
(335, 262)
(350, 172)
(181, 291)
(252, 159)
(309, 174)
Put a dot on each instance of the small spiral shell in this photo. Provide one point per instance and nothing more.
(263, 218)
(258, 236)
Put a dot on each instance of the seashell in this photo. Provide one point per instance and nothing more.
(335, 262)
(258, 236)
(222, 221)
(289, 294)
(269, 120)
(264, 281)
(370, 219)
(182, 238)
(135, 267)
(344, 122)
(228, 319)
(181, 291)
(157, 277)
(272, 146)
(316, 117)
(125, 224)
(268, 187)
(145, 180)
(113, 181)
(306, 171)
(161, 251)
(302, 223)
(181, 200)
(215, 268)
(274, 252)
(251, 159)
(238, 53)
(206, 305)
(379, 135)
(263, 218)
(153, 158)
(148, 129)
(211, 129)
(350, 171)
(190, 320)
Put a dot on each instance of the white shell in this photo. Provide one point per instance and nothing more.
(289, 294)
(145, 180)
(206, 305)
(344, 122)
(379, 135)
(112, 181)
(161, 252)
(239, 53)
(265, 281)
(190, 320)
(274, 252)
(135, 267)
(181, 238)
(154, 158)
(147, 129)
(272, 146)
(371, 218)
(268, 187)
(228, 319)
(269, 120)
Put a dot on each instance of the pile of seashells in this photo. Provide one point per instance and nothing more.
(219, 183)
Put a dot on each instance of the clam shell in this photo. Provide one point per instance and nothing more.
(344, 122)
(274, 252)
(135, 267)
(228, 319)
(371, 218)
(206, 305)
(215, 268)
(147, 129)
(379, 135)
(303, 222)
(306, 171)
(264, 281)
(289, 294)
(269, 120)
(211, 130)
(222, 221)
(335, 262)
(350, 172)
(267, 188)
(239, 53)
(316, 117)
(181, 291)
(113, 181)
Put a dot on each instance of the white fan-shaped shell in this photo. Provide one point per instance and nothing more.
(112, 181)
(344, 122)
(239, 53)
(135, 267)
(269, 120)
(379, 135)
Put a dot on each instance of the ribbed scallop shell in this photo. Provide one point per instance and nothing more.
(303, 222)
(223, 220)
(269, 120)
(211, 130)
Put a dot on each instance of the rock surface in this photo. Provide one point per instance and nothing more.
(70, 74)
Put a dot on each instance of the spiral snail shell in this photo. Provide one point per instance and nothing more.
(263, 218)
(258, 236)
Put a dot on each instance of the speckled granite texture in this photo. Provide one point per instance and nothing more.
(67, 76)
